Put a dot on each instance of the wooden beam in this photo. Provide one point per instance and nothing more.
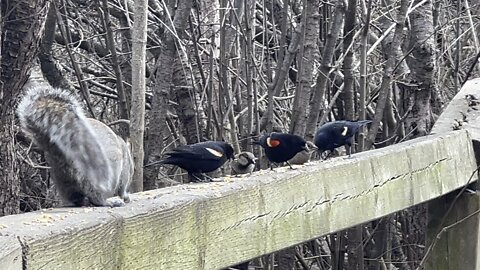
(463, 112)
(10, 253)
(457, 247)
(214, 225)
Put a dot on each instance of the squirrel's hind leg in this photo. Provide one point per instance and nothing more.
(74, 198)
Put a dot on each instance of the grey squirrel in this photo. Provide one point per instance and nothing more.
(88, 160)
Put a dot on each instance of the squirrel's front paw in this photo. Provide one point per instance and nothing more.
(115, 203)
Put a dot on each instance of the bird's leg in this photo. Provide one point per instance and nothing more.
(199, 178)
(290, 165)
(326, 156)
(207, 178)
(194, 178)
(271, 165)
(348, 148)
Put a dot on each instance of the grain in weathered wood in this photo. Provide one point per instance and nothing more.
(222, 223)
(457, 247)
(463, 112)
(10, 253)
(213, 225)
(67, 238)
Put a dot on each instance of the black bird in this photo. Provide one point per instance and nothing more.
(337, 133)
(243, 163)
(280, 147)
(198, 158)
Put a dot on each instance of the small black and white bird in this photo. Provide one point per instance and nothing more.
(337, 133)
(280, 147)
(243, 163)
(198, 158)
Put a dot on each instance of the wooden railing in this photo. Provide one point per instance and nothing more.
(214, 225)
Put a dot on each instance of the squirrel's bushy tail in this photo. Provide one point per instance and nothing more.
(54, 119)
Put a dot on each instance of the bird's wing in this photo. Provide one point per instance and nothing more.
(355, 126)
(197, 151)
(341, 128)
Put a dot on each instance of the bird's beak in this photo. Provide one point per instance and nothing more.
(309, 147)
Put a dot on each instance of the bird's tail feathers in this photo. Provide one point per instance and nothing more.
(154, 163)
(363, 122)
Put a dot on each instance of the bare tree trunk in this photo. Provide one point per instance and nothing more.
(422, 64)
(388, 73)
(137, 113)
(318, 99)
(338, 250)
(286, 259)
(207, 18)
(280, 76)
(233, 20)
(302, 94)
(163, 82)
(123, 103)
(363, 90)
(398, 257)
(349, 82)
(419, 122)
(187, 98)
(50, 69)
(125, 58)
(21, 32)
(249, 25)
(64, 28)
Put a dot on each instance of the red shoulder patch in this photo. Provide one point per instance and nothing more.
(272, 143)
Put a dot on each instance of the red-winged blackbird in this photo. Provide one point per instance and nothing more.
(243, 163)
(198, 158)
(335, 134)
(280, 147)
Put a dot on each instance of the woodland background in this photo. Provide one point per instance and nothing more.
(233, 69)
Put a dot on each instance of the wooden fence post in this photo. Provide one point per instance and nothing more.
(455, 236)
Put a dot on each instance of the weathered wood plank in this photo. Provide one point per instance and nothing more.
(10, 253)
(269, 212)
(67, 238)
(458, 247)
(463, 111)
(213, 225)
